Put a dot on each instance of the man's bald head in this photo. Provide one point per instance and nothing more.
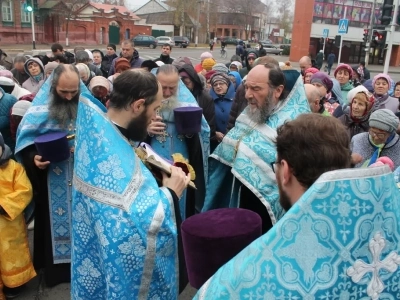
(305, 63)
(313, 97)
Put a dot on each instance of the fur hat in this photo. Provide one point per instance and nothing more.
(345, 67)
(384, 119)
(322, 78)
(208, 63)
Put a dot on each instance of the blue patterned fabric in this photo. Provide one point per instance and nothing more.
(36, 122)
(251, 163)
(165, 146)
(124, 230)
(341, 240)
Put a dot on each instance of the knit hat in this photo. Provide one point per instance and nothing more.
(323, 79)
(5, 81)
(112, 46)
(221, 68)
(286, 66)
(205, 55)
(220, 77)
(384, 119)
(181, 61)
(252, 54)
(383, 76)
(291, 77)
(6, 73)
(122, 64)
(311, 70)
(345, 67)
(50, 66)
(209, 74)
(208, 63)
(368, 85)
(20, 107)
(237, 64)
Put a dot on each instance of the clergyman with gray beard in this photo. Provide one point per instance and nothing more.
(51, 182)
(241, 173)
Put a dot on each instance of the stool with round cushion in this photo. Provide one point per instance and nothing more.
(212, 238)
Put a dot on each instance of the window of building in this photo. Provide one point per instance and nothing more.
(7, 11)
(25, 16)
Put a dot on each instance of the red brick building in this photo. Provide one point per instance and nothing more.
(90, 23)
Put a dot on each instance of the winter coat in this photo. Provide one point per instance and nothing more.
(223, 106)
(331, 59)
(6, 103)
(106, 64)
(31, 84)
(203, 97)
(388, 102)
(244, 71)
(166, 59)
(238, 105)
(20, 77)
(136, 62)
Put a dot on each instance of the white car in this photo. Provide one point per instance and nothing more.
(165, 40)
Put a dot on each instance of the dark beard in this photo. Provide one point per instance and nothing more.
(137, 128)
(261, 115)
(62, 110)
(283, 197)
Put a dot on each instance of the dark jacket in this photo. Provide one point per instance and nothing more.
(70, 57)
(367, 74)
(238, 105)
(95, 70)
(106, 63)
(203, 98)
(136, 62)
(353, 127)
(166, 59)
(331, 59)
(20, 76)
(244, 71)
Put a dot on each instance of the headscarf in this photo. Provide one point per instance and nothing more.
(238, 78)
(237, 64)
(99, 81)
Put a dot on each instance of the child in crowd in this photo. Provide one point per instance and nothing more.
(16, 266)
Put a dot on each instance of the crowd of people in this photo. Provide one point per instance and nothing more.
(105, 219)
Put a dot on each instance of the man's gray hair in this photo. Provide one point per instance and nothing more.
(82, 57)
(20, 59)
(167, 70)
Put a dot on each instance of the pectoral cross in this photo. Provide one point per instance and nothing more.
(162, 138)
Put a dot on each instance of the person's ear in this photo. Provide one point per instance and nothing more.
(286, 172)
(278, 91)
(137, 106)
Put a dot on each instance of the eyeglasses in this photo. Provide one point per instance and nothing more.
(219, 84)
(376, 134)
(273, 166)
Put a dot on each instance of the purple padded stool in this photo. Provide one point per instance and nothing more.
(212, 238)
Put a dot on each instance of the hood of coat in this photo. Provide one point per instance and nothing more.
(36, 60)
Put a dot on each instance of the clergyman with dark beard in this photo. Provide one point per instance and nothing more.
(241, 173)
(126, 221)
(54, 109)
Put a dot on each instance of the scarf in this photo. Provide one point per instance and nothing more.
(378, 149)
(39, 77)
(381, 98)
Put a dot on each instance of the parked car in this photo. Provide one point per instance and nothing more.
(273, 49)
(266, 43)
(230, 40)
(165, 40)
(181, 41)
(145, 41)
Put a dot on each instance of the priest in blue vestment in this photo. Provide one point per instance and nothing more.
(240, 172)
(53, 110)
(126, 240)
(340, 236)
(166, 141)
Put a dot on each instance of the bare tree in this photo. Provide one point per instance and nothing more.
(67, 13)
(286, 13)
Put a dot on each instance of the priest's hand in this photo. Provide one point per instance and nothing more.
(156, 126)
(177, 181)
(39, 163)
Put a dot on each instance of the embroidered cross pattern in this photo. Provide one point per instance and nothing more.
(361, 268)
(57, 170)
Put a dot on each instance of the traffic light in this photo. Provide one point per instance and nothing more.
(386, 15)
(366, 33)
(337, 40)
(379, 38)
(28, 6)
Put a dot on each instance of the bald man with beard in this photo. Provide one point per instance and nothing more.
(54, 109)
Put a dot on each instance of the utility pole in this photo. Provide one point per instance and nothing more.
(390, 43)
(371, 29)
(208, 21)
(197, 25)
(33, 30)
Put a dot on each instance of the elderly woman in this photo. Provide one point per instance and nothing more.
(327, 104)
(84, 73)
(121, 65)
(381, 84)
(356, 119)
(49, 68)
(100, 88)
(34, 67)
(308, 73)
(380, 140)
(235, 66)
(344, 74)
(222, 92)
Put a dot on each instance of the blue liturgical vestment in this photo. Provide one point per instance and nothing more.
(36, 122)
(340, 240)
(124, 226)
(247, 152)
